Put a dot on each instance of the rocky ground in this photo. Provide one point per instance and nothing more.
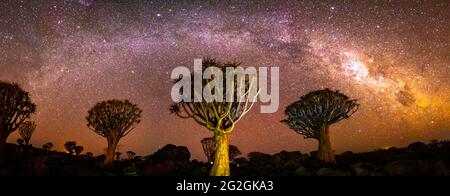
(418, 159)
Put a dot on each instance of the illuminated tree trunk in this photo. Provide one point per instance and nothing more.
(326, 152)
(221, 165)
(110, 152)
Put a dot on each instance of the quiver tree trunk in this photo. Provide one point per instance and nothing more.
(221, 166)
(110, 152)
(326, 152)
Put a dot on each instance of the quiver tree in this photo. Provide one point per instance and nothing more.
(48, 146)
(26, 130)
(131, 155)
(209, 147)
(15, 107)
(78, 150)
(234, 152)
(70, 147)
(118, 154)
(20, 141)
(221, 113)
(113, 120)
(313, 114)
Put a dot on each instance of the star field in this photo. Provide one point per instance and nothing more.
(394, 56)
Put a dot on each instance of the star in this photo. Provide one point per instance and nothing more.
(391, 57)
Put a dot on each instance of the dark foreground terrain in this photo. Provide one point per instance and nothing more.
(418, 159)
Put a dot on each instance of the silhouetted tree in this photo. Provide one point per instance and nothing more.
(15, 107)
(118, 155)
(218, 116)
(113, 120)
(209, 147)
(78, 150)
(48, 146)
(89, 154)
(234, 152)
(26, 130)
(131, 155)
(70, 147)
(315, 112)
(20, 141)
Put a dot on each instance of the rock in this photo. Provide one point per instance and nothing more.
(130, 171)
(268, 167)
(324, 171)
(417, 147)
(240, 162)
(303, 171)
(357, 165)
(200, 171)
(440, 169)
(392, 149)
(347, 154)
(100, 158)
(40, 166)
(423, 168)
(292, 164)
(378, 173)
(284, 155)
(340, 172)
(367, 166)
(361, 171)
(172, 153)
(259, 158)
(370, 166)
(165, 168)
(277, 160)
(402, 168)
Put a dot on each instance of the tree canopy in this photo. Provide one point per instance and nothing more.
(16, 106)
(114, 118)
(317, 109)
(26, 130)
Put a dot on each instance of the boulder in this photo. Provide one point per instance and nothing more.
(402, 168)
(172, 153)
(304, 171)
(378, 173)
(130, 171)
(291, 164)
(284, 155)
(242, 161)
(417, 147)
(200, 171)
(259, 157)
(340, 172)
(440, 169)
(361, 171)
(423, 168)
(165, 168)
(40, 165)
(365, 165)
(347, 154)
(324, 171)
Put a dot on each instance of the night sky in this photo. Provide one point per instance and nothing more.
(394, 56)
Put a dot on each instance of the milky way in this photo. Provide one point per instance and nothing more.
(394, 56)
